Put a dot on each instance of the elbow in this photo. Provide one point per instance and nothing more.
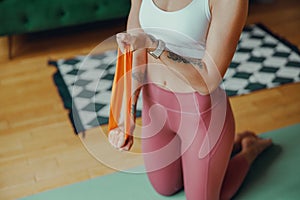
(211, 78)
(207, 83)
(206, 89)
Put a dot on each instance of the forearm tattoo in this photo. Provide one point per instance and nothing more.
(180, 59)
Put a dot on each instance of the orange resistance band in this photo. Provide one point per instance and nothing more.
(121, 94)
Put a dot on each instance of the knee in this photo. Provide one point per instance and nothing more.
(225, 196)
(165, 191)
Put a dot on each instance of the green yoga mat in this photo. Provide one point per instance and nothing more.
(274, 175)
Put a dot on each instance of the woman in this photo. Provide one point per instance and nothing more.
(181, 51)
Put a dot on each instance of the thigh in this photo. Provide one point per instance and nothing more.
(161, 150)
(163, 163)
(203, 176)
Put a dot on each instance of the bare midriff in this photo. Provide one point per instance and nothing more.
(166, 77)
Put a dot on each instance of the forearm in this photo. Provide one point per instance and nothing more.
(201, 74)
(136, 89)
(138, 78)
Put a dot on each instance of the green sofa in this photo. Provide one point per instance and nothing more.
(26, 16)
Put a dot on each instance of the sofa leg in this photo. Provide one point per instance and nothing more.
(10, 47)
(4, 48)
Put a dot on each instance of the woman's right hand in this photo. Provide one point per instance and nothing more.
(119, 140)
(134, 40)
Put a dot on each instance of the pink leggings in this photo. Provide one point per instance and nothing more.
(187, 142)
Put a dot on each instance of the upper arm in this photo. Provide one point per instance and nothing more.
(227, 22)
(133, 18)
(133, 22)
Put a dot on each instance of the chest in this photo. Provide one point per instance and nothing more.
(171, 5)
(175, 20)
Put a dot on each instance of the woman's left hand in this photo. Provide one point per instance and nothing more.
(118, 140)
(134, 41)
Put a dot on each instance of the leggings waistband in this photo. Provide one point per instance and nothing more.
(192, 102)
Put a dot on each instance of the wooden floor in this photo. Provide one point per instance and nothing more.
(39, 150)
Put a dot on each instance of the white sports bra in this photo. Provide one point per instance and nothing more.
(184, 31)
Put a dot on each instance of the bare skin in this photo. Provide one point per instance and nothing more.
(250, 145)
(238, 140)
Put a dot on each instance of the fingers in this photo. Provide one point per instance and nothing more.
(127, 146)
(132, 41)
(117, 139)
(124, 41)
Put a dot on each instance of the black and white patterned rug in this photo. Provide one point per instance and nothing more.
(262, 60)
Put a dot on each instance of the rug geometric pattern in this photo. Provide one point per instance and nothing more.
(262, 60)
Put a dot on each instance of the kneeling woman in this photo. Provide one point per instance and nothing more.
(181, 51)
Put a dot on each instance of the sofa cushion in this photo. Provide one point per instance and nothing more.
(22, 16)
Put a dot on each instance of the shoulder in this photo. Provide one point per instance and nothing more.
(135, 5)
(236, 10)
(136, 2)
(133, 18)
(227, 4)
